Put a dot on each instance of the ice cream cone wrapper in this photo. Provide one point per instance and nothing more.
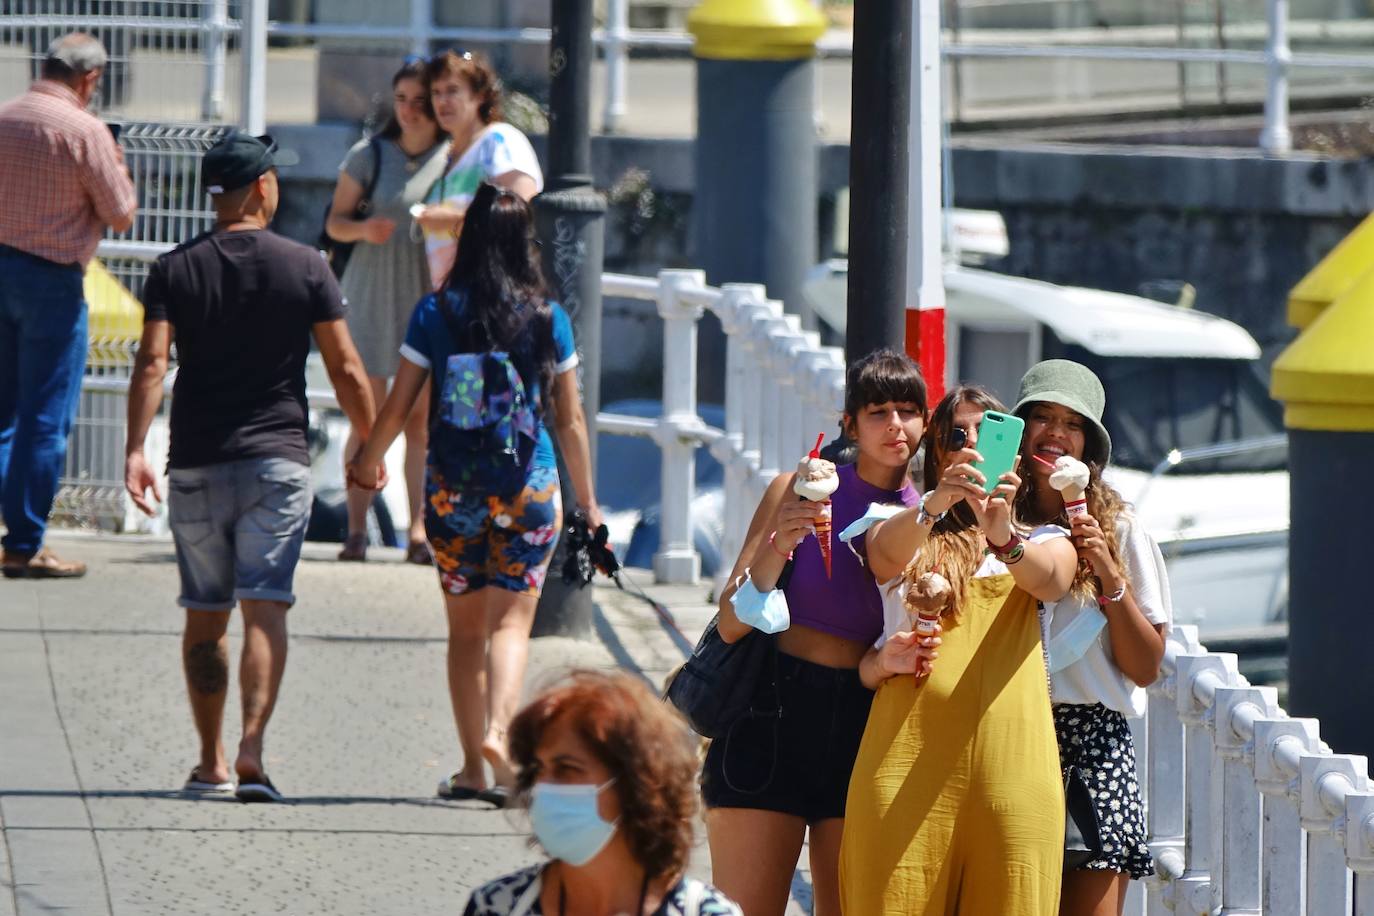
(823, 534)
(923, 625)
(1074, 503)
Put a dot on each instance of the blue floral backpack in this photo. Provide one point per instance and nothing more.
(485, 424)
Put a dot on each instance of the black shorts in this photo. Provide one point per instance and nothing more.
(798, 762)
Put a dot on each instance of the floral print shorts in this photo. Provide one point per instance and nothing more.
(482, 541)
(1098, 741)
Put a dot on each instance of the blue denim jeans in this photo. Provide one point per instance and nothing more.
(42, 361)
(238, 528)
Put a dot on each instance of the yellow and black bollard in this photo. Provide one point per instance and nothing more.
(1326, 380)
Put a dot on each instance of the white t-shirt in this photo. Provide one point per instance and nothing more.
(1095, 678)
(895, 619)
(498, 149)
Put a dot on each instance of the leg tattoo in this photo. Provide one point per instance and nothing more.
(207, 667)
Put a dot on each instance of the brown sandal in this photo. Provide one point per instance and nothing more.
(418, 553)
(354, 549)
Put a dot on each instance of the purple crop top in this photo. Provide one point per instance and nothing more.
(847, 604)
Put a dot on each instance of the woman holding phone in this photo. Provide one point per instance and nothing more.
(956, 800)
(1107, 634)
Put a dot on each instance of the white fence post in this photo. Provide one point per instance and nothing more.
(1359, 848)
(739, 304)
(216, 14)
(1276, 138)
(1279, 745)
(1324, 777)
(677, 560)
(253, 60)
(1166, 779)
(1237, 710)
(421, 24)
(616, 49)
(1196, 673)
(770, 394)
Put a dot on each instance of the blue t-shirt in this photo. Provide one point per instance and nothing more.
(429, 344)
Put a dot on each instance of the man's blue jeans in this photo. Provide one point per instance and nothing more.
(42, 361)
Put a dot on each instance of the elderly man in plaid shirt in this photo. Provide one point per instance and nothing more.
(63, 180)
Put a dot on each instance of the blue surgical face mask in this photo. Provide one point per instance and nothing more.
(567, 823)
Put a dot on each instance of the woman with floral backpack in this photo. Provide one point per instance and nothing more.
(504, 363)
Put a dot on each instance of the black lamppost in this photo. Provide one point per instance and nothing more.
(570, 216)
(878, 177)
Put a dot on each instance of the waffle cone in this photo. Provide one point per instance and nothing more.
(823, 529)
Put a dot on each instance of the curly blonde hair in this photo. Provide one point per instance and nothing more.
(1105, 505)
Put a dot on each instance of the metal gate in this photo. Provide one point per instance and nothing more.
(173, 85)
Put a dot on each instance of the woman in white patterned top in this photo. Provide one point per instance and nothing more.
(608, 771)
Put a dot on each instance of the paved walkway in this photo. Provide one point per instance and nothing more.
(96, 737)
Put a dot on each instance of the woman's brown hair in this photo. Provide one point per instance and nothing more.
(955, 547)
(475, 70)
(647, 747)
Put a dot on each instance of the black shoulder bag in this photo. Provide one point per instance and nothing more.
(717, 685)
(335, 252)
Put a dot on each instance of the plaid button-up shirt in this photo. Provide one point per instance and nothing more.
(61, 181)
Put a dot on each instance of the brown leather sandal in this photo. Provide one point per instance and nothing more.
(418, 553)
(43, 565)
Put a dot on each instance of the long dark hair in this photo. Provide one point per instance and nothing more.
(413, 69)
(497, 280)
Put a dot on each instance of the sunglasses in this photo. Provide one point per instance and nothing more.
(958, 438)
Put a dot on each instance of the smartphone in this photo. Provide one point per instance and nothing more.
(115, 130)
(999, 442)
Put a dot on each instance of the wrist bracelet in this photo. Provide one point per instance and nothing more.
(773, 542)
(1104, 600)
(1011, 552)
(923, 516)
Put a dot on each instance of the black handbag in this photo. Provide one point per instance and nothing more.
(717, 685)
(335, 252)
(1082, 833)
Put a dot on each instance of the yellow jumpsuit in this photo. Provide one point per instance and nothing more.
(956, 803)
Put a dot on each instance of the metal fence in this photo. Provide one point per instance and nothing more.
(170, 84)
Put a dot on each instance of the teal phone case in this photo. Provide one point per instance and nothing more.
(999, 442)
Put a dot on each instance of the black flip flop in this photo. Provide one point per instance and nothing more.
(497, 796)
(258, 790)
(447, 789)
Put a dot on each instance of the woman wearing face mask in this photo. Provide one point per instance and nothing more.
(779, 775)
(956, 802)
(387, 273)
(608, 771)
(1107, 634)
(466, 93)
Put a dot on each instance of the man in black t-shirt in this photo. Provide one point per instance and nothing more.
(241, 304)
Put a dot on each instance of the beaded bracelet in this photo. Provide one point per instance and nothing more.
(773, 542)
(1104, 600)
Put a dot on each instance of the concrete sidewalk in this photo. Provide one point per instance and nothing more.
(96, 739)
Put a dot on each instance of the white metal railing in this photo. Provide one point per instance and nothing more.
(1248, 811)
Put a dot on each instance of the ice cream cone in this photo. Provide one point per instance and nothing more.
(926, 599)
(1074, 502)
(823, 534)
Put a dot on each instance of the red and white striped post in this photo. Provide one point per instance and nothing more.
(925, 286)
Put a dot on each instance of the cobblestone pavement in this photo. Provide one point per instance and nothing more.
(96, 739)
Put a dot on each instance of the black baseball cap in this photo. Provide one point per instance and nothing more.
(239, 158)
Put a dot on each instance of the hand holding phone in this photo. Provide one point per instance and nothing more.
(999, 442)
